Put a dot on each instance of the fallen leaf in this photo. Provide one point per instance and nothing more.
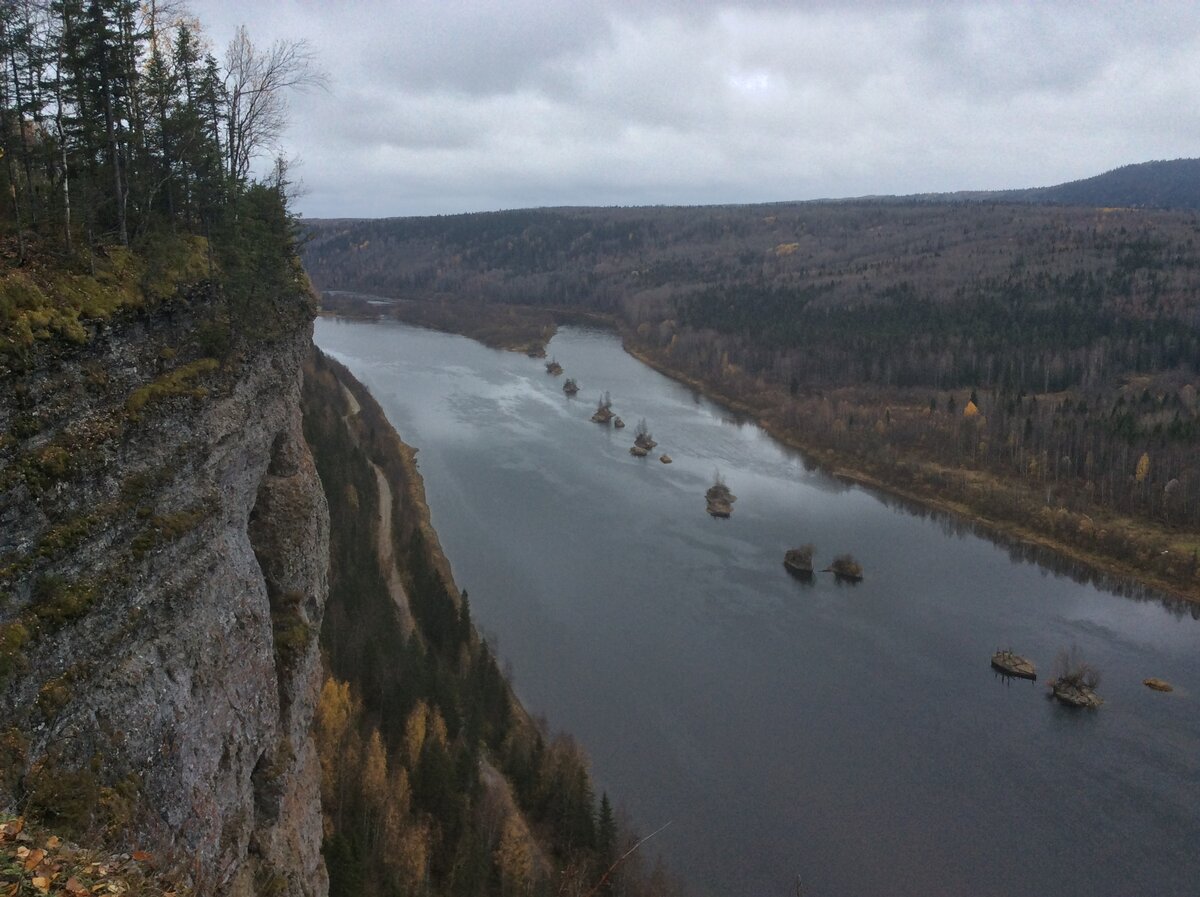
(53, 842)
(75, 887)
(42, 884)
(22, 852)
(141, 856)
(34, 858)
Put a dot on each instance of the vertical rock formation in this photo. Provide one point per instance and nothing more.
(163, 558)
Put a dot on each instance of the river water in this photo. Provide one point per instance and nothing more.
(851, 734)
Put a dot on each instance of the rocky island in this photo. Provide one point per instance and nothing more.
(604, 413)
(1075, 681)
(643, 438)
(1010, 664)
(571, 387)
(553, 367)
(846, 568)
(798, 561)
(719, 498)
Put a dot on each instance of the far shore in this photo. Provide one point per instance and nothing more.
(522, 322)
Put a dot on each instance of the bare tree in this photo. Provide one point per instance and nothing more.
(1071, 669)
(257, 82)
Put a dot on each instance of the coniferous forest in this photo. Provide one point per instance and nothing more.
(434, 779)
(126, 151)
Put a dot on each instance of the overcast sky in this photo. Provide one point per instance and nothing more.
(443, 106)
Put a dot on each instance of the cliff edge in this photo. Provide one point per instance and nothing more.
(163, 567)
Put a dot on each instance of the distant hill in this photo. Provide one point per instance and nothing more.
(1173, 184)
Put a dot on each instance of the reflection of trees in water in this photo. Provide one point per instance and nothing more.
(1042, 556)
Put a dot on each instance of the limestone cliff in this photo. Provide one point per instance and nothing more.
(163, 563)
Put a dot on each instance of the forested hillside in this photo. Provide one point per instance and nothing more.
(1035, 364)
(1168, 184)
(125, 155)
(163, 535)
(434, 778)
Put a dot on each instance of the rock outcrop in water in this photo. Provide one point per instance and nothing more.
(1012, 664)
(1075, 681)
(604, 413)
(719, 499)
(799, 561)
(846, 568)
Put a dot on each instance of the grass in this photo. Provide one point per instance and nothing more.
(179, 382)
(46, 300)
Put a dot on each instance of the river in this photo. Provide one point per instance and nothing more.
(850, 734)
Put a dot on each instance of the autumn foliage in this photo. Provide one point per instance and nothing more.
(433, 779)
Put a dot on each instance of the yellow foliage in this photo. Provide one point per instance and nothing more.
(514, 857)
(972, 410)
(375, 770)
(786, 249)
(414, 733)
(1143, 468)
(336, 714)
(409, 861)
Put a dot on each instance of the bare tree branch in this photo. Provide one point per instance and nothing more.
(257, 83)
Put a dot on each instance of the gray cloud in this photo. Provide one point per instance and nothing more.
(456, 106)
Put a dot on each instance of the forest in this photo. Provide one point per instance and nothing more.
(126, 154)
(1033, 365)
(434, 779)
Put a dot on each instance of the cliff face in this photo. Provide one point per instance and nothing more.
(163, 558)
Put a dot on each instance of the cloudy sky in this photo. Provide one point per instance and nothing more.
(441, 106)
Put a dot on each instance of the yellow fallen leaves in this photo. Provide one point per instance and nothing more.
(66, 870)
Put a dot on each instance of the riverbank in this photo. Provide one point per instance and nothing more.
(969, 481)
(649, 661)
(1003, 509)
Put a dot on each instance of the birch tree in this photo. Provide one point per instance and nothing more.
(257, 83)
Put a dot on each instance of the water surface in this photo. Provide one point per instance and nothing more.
(854, 735)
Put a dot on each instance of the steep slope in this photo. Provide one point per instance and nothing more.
(163, 549)
(434, 776)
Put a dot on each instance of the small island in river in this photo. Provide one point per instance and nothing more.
(845, 567)
(604, 413)
(553, 367)
(719, 498)
(644, 439)
(799, 561)
(1011, 664)
(570, 387)
(1075, 681)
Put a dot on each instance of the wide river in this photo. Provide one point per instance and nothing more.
(850, 734)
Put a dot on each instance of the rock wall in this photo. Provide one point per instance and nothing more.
(163, 563)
